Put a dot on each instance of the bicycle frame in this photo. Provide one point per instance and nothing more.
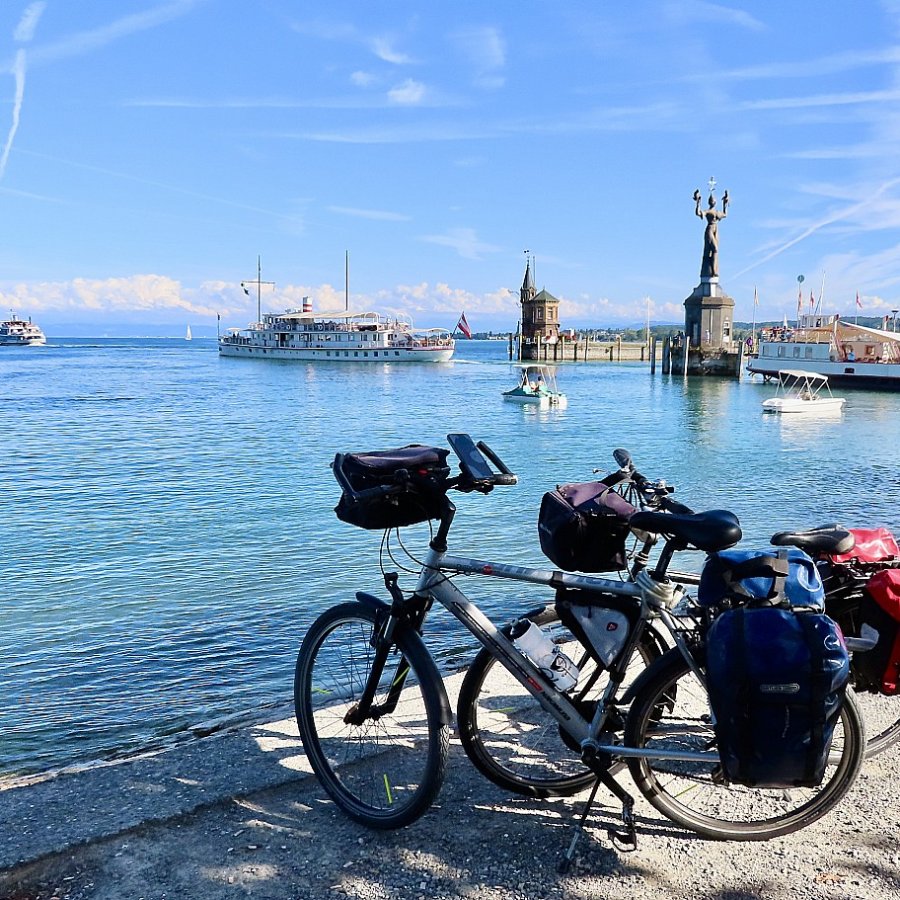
(434, 583)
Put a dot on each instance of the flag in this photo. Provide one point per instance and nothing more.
(812, 301)
(463, 326)
(246, 291)
(858, 304)
(755, 297)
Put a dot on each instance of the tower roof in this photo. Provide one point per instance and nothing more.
(528, 283)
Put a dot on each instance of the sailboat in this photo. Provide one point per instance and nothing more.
(187, 336)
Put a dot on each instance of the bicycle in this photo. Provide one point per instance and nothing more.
(374, 716)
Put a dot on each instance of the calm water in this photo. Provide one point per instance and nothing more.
(166, 525)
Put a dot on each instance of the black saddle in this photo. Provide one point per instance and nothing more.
(824, 539)
(715, 529)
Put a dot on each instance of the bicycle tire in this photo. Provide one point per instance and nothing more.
(881, 715)
(674, 705)
(510, 738)
(386, 772)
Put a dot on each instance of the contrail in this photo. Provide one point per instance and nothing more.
(836, 217)
(23, 34)
(19, 73)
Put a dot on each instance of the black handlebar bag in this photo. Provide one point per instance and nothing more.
(422, 469)
(583, 527)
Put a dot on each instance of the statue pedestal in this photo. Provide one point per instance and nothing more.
(708, 324)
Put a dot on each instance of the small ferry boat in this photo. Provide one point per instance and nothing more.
(536, 386)
(803, 392)
(345, 336)
(849, 355)
(17, 333)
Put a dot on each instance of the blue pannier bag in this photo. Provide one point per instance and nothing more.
(742, 576)
(777, 669)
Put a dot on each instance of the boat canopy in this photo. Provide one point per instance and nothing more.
(799, 374)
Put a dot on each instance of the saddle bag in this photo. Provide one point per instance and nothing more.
(871, 545)
(601, 622)
(582, 527)
(426, 472)
(878, 670)
(777, 669)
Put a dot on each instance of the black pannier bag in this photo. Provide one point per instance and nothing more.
(878, 670)
(777, 670)
(583, 527)
(601, 622)
(427, 469)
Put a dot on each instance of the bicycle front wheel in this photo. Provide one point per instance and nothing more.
(385, 770)
(511, 739)
(671, 712)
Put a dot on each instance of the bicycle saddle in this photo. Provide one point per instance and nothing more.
(714, 529)
(824, 539)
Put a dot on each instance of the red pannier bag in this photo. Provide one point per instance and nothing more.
(872, 545)
(879, 668)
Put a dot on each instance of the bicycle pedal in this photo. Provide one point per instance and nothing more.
(624, 840)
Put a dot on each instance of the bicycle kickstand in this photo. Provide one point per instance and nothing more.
(569, 855)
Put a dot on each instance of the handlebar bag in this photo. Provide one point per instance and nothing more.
(776, 679)
(426, 472)
(582, 527)
(878, 670)
(733, 577)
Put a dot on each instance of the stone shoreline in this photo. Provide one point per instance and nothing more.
(236, 814)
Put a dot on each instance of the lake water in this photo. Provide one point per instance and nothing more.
(166, 524)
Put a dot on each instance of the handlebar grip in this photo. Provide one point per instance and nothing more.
(501, 466)
(505, 478)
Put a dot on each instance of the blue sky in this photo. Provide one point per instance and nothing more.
(152, 150)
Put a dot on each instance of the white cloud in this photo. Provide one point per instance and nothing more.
(362, 79)
(382, 48)
(484, 53)
(376, 214)
(464, 241)
(687, 11)
(409, 93)
(25, 29)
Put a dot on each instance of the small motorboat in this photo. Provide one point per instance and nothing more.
(536, 386)
(803, 392)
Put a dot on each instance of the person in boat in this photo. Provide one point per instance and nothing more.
(851, 356)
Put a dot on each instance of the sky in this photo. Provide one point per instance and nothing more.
(153, 152)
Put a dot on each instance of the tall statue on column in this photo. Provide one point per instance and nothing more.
(709, 267)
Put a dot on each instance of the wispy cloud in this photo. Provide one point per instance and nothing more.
(848, 98)
(845, 213)
(484, 51)
(385, 51)
(375, 214)
(86, 41)
(409, 93)
(28, 23)
(687, 11)
(464, 241)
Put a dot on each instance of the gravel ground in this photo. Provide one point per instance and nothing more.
(235, 815)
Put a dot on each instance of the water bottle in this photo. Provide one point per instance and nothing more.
(538, 646)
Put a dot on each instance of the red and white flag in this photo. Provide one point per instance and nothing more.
(463, 326)
(812, 301)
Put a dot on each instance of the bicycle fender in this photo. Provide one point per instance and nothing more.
(637, 685)
(372, 601)
(412, 635)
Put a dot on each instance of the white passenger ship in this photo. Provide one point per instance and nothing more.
(344, 336)
(848, 355)
(16, 333)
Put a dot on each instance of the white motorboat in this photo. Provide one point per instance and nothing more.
(536, 386)
(16, 333)
(803, 392)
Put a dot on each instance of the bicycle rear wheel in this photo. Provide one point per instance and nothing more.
(671, 712)
(881, 715)
(511, 739)
(387, 770)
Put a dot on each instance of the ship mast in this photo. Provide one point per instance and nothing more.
(259, 283)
